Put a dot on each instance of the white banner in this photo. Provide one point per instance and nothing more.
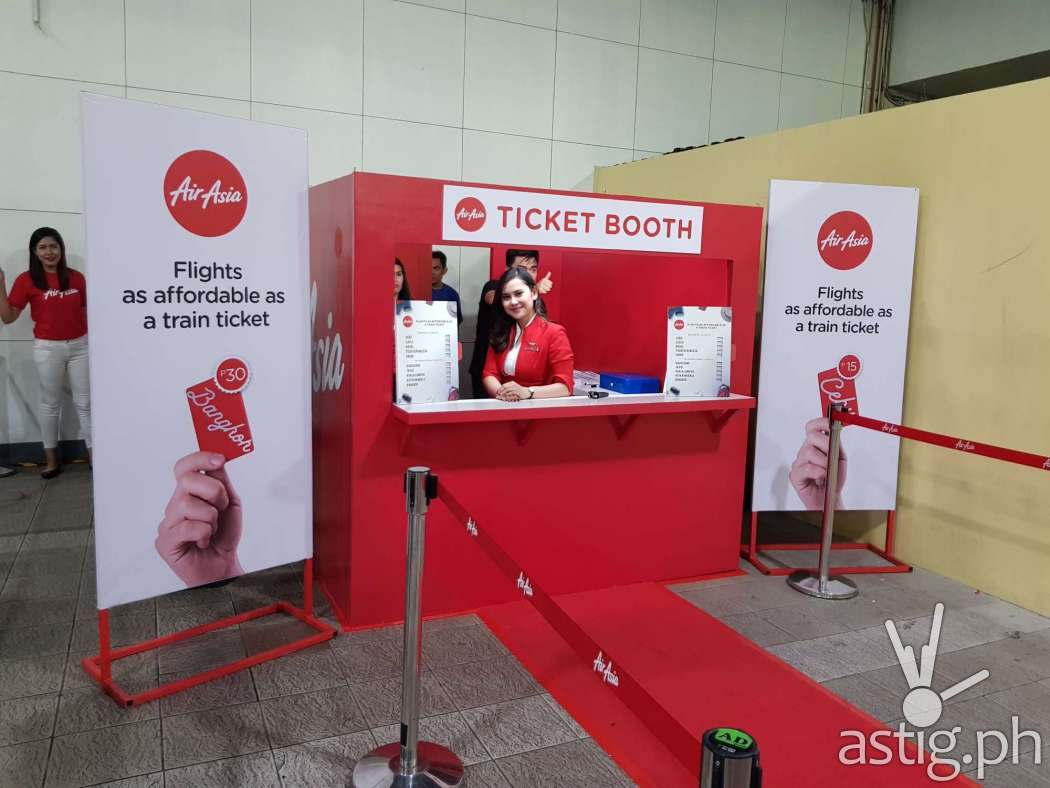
(837, 298)
(199, 346)
(427, 348)
(506, 216)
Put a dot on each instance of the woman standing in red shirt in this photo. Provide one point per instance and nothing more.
(529, 357)
(57, 298)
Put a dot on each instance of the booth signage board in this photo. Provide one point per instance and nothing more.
(509, 216)
(199, 346)
(427, 351)
(699, 346)
(839, 261)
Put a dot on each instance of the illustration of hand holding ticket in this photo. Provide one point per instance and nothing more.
(809, 471)
(201, 529)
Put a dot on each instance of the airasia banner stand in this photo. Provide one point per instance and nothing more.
(199, 355)
(836, 306)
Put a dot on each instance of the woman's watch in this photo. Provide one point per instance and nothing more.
(531, 393)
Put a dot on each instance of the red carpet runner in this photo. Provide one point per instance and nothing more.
(705, 675)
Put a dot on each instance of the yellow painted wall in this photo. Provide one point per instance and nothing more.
(979, 347)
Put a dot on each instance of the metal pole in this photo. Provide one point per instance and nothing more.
(416, 505)
(822, 584)
(411, 763)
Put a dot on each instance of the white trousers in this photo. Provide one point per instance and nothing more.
(53, 358)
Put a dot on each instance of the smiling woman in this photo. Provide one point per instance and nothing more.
(529, 357)
(57, 299)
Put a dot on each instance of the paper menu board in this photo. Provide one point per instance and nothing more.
(699, 347)
(426, 335)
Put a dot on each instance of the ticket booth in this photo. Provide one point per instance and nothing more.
(590, 493)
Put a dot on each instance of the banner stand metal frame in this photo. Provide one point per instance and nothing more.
(100, 667)
(749, 552)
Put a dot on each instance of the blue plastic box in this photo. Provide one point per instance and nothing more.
(627, 383)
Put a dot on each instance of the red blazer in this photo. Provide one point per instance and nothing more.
(545, 356)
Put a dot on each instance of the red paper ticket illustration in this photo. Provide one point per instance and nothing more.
(219, 416)
(837, 389)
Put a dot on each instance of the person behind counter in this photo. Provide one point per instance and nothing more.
(528, 357)
(439, 291)
(401, 291)
(529, 259)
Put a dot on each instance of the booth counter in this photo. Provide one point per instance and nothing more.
(585, 493)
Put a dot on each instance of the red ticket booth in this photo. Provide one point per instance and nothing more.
(586, 493)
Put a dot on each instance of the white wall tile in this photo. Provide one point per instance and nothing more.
(400, 148)
(751, 32)
(851, 98)
(40, 160)
(192, 46)
(744, 101)
(674, 100)
(307, 54)
(19, 393)
(448, 5)
(541, 13)
(615, 20)
(856, 45)
(815, 38)
(82, 41)
(686, 26)
(334, 138)
(219, 106)
(503, 159)
(804, 101)
(473, 274)
(413, 63)
(572, 165)
(509, 78)
(15, 229)
(594, 92)
(645, 154)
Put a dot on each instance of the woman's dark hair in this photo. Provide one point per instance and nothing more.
(503, 322)
(404, 294)
(36, 268)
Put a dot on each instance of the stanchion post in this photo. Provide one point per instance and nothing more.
(822, 584)
(411, 763)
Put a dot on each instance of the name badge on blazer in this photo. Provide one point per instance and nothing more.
(532, 347)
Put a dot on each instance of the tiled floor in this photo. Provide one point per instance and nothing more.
(845, 646)
(306, 719)
(302, 721)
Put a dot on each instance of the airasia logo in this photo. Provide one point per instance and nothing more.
(470, 214)
(205, 193)
(844, 240)
(679, 325)
(407, 322)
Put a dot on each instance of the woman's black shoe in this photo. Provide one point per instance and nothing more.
(51, 474)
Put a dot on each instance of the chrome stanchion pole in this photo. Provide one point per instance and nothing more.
(411, 763)
(822, 584)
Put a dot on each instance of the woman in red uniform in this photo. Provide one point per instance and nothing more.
(57, 298)
(529, 357)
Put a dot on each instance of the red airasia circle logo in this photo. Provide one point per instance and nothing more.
(205, 193)
(407, 322)
(470, 214)
(679, 325)
(845, 240)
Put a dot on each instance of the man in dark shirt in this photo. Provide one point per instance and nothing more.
(439, 290)
(529, 259)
